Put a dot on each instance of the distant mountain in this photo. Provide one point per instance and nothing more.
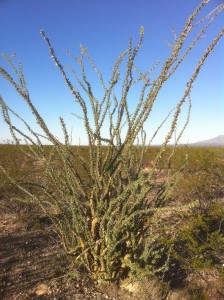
(216, 142)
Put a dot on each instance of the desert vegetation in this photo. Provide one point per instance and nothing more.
(195, 233)
(122, 208)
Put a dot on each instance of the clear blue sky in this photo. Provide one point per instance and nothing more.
(104, 27)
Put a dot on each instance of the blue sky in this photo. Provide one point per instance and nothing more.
(104, 27)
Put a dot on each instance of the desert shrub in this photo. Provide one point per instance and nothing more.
(105, 208)
(202, 179)
(200, 240)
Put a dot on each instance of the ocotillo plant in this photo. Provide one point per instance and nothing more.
(105, 208)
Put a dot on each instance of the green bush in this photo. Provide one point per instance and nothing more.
(105, 208)
(202, 179)
(200, 240)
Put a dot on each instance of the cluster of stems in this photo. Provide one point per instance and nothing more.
(101, 205)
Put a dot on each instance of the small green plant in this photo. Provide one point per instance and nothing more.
(105, 208)
(198, 294)
(200, 240)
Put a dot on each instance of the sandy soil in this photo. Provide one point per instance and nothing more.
(33, 266)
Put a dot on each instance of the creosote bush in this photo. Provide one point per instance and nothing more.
(202, 177)
(105, 207)
(200, 241)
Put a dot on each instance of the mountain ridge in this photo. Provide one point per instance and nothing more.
(217, 141)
